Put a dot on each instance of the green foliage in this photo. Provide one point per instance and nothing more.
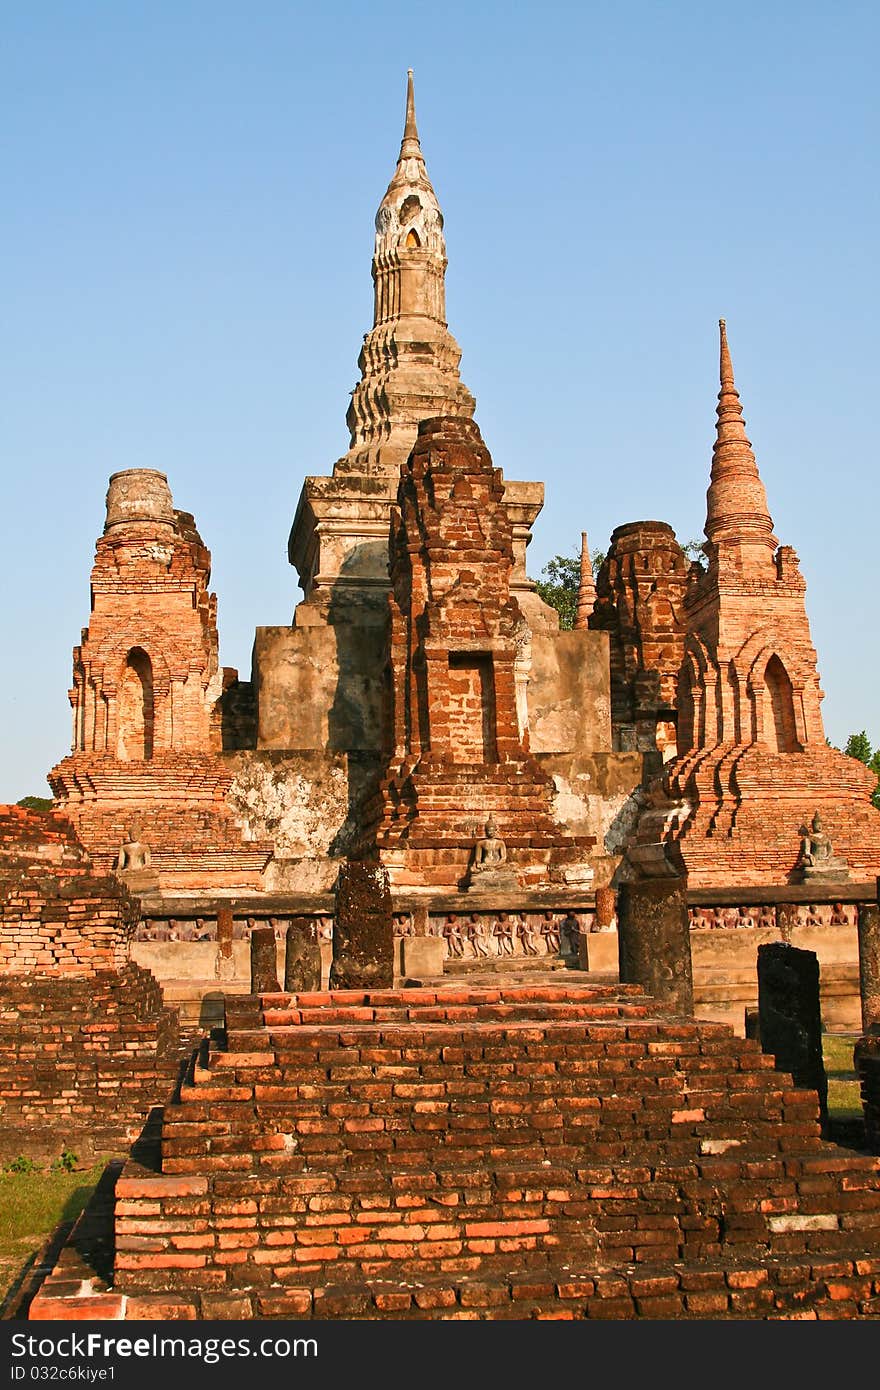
(23, 1165)
(67, 1161)
(35, 803)
(560, 588)
(859, 746)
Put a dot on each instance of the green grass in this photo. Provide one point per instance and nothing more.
(32, 1205)
(844, 1096)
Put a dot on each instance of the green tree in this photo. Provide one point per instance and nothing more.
(859, 746)
(560, 588)
(35, 803)
(563, 576)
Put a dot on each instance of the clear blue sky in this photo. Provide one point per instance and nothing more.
(189, 189)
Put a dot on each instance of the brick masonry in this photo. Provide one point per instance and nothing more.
(454, 745)
(553, 1151)
(639, 603)
(87, 1046)
(152, 709)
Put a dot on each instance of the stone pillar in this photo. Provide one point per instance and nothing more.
(606, 909)
(790, 1015)
(653, 941)
(264, 962)
(302, 957)
(363, 932)
(225, 962)
(786, 920)
(869, 1077)
(869, 966)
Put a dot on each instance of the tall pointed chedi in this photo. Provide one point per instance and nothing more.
(409, 371)
(737, 517)
(753, 766)
(339, 539)
(379, 601)
(409, 361)
(586, 596)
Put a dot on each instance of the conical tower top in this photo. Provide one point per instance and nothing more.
(586, 588)
(736, 503)
(410, 129)
(409, 216)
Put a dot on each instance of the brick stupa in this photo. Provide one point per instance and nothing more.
(457, 752)
(753, 765)
(147, 701)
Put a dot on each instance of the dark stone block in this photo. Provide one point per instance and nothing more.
(790, 1015)
(264, 962)
(302, 957)
(654, 944)
(363, 932)
(869, 964)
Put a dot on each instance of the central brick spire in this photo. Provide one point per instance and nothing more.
(737, 515)
(409, 361)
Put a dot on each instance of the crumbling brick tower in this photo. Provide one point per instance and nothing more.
(753, 763)
(455, 748)
(147, 696)
(639, 596)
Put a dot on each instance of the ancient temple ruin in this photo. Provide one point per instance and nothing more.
(423, 811)
(423, 686)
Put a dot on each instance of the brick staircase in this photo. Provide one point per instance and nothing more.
(550, 1149)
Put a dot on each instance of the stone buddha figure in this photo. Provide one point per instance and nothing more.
(489, 851)
(817, 858)
(490, 868)
(133, 853)
(133, 863)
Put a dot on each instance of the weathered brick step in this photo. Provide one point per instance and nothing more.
(279, 1019)
(548, 991)
(445, 996)
(844, 1286)
(627, 1036)
(576, 1048)
(281, 1146)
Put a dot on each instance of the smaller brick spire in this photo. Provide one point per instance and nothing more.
(586, 587)
(736, 503)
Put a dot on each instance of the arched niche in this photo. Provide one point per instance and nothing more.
(780, 729)
(135, 711)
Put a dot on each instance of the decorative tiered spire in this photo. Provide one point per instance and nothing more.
(586, 587)
(737, 511)
(409, 361)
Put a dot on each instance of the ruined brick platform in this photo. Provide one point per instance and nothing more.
(87, 1046)
(557, 1150)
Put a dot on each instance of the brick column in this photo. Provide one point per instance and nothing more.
(790, 1015)
(654, 944)
(869, 1077)
(363, 932)
(225, 966)
(264, 962)
(606, 907)
(786, 919)
(869, 965)
(302, 956)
